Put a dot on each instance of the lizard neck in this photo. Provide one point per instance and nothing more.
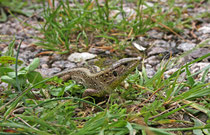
(113, 76)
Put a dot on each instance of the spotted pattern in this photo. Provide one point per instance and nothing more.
(102, 82)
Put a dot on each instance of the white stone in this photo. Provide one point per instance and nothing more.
(204, 29)
(81, 57)
(186, 46)
(139, 47)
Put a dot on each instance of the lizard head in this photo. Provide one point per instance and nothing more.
(118, 71)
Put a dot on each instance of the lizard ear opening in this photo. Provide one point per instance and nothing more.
(114, 73)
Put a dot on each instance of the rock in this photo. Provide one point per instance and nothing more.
(204, 29)
(3, 86)
(59, 64)
(24, 45)
(173, 44)
(150, 71)
(131, 52)
(203, 37)
(107, 52)
(5, 29)
(170, 72)
(44, 66)
(46, 72)
(156, 50)
(13, 25)
(30, 32)
(161, 43)
(96, 50)
(153, 60)
(186, 46)
(2, 47)
(196, 67)
(44, 59)
(148, 66)
(22, 34)
(69, 65)
(63, 64)
(138, 46)
(154, 34)
(81, 57)
(149, 4)
(129, 13)
(143, 42)
(199, 52)
(26, 55)
(185, 59)
(56, 57)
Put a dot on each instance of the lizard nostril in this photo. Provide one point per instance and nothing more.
(114, 73)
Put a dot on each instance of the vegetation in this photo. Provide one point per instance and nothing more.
(15, 6)
(85, 24)
(32, 104)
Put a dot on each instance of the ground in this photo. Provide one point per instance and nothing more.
(168, 90)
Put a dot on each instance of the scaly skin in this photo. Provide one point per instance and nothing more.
(103, 82)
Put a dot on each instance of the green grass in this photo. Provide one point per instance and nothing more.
(16, 6)
(34, 105)
(58, 109)
(69, 28)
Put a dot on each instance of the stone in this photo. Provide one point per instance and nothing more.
(155, 34)
(96, 50)
(196, 67)
(156, 50)
(204, 29)
(143, 42)
(186, 46)
(173, 44)
(199, 52)
(63, 64)
(80, 57)
(3, 85)
(168, 73)
(150, 72)
(129, 13)
(161, 43)
(44, 59)
(46, 72)
(44, 66)
(138, 46)
(27, 55)
(56, 57)
(153, 60)
(23, 45)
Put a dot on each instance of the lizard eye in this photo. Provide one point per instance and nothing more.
(114, 73)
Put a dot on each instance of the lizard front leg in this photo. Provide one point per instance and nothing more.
(91, 92)
(87, 93)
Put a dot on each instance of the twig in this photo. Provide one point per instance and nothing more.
(25, 123)
(163, 112)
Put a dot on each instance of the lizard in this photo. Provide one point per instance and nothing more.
(103, 82)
